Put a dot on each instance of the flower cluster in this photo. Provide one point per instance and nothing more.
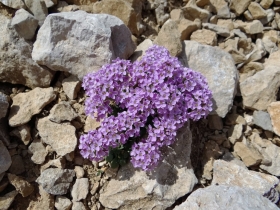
(148, 100)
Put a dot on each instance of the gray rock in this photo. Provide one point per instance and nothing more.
(71, 86)
(7, 200)
(38, 8)
(25, 105)
(160, 11)
(5, 158)
(226, 173)
(222, 31)
(56, 181)
(16, 64)
(62, 203)
(25, 24)
(4, 105)
(80, 189)
(86, 41)
(39, 152)
(17, 166)
(173, 178)
(226, 198)
(15, 4)
(21, 185)
(219, 69)
(273, 152)
(62, 112)
(262, 119)
(235, 133)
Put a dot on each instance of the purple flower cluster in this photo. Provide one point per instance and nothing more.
(156, 93)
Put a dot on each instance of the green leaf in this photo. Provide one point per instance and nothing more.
(109, 158)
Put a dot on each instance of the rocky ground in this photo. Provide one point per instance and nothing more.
(230, 160)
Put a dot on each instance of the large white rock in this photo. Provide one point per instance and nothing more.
(79, 43)
(219, 69)
(172, 179)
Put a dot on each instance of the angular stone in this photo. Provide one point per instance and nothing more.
(39, 152)
(62, 112)
(50, 3)
(169, 37)
(141, 49)
(62, 203)
(21, 185)
(252, 27)
(46, 201)
(273, 152)
(56, 181)
(176, 15)
(161, 15)
(79, 172)
(7, 200)
(71, 86)
(16, 64)
(80, 189)
(273, 60)
(191, 12)
(274, 112)
(23, 133)
(239, 6)
(172, 179)
(78, 206)
(262, 119)
(266, 3)
(87, 41)
(25, 105)
(5, 158)
(57, 163)
(269, 45)
(222, 31)
(204, 36)
(61, 137)
(232, 119)
(235, 133)
(38, 8)
(252, 66)
(25, 24)
(219, 70)
(227, 173)
(256, 10)
(15, 4)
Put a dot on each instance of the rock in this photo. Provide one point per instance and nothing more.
(62, 203)
(141, 49)
(23, 133)
(5, 158)
(204, 36)
(217, 29)
(274, 112)
(85, 45)
(214, 64)
(273, 152)
(229, 157)
(50, 3)
(226, 24)
(38, 8)
(91, 124)
(46, 201)
(79, 172)
(172, 179)
(256, 10)
(226, 173)
(239, 6)
(273, 60)
(16, 64)
(160, 11)
(17, 166)
(80, 189)
(219, 197)
(191, 12)
(270, 16)
(262, 119)
(61, 137)
(269, 45)
(62, 112)
(78, 206)
(15, 4)
(233, 119)
(268, 83)
(249, 155)
(7, 200)
(252, 66)
(176, 15)
(215, 122)
(21, 185)
(266, 3)
(186, 28)
(25, 24)
(58, 163)
(71, 86)
(4, 105)
(39, 152)
(235, 133)
(169, 37)
(25, 105)
(56, 181)
(252, 27)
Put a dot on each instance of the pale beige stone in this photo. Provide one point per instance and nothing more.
(192, 11)
(186, 28)
(226, 23)
(7, 200)
(62, 112)
(71, 86)
(176, 14)
(79, 172)
(91, 124)
(23, 133)
(80, 189)
(251, 66)
(204, 36)
(266, 3)
(39, 151)
(45, 201)
(235, 133)
(239, 6)
(62, 203)
(141, 49)
(222, 31)
(21, 185)
(274, 112)
(256, 10)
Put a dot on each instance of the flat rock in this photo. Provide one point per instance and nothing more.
(4, 105)
(86, 41)
(21, 185)
(5, 158)
(15, 4)
(191, 12)
(16, 64)
(71, 86)
(56, 181)
(263, 120)
(222, 31)
(141, 49)
(62, 203)
(226, 197)
(273, 152)
(235, 133)
(204, 36)
(39, 152)
(274, 112)
(266, 3)
(62, 112)
(227, 173)
(61, 137)
(45, 201)
(25, 105)
(219, 69)
(173, 178)
(239, 6)
(7, 200)
(78, 206)
(38, 8)
(186, 28)
(80, 189)
(256, 10)
(17, 166)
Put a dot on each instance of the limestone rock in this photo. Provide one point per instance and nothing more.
(222, 31)
(62, 112)
(71, 86)
(273, 60)
(38, 8)
(256, 10)
(80, 189)
(78, 206)
(220, 197)
(235, 133)
(239, 6)
(266, 3)
(4, 105)
(186, 28)
(172, 179)
(141, 49)
(91, 124)
(16, 64)
(169, 37)
(191, 12)
(15, 4)
(274, 112)
(23, 133)
(205, 36)
(262, 119)
(17, 166)
(7, 200)
(25, 24)
(45, 201)
(226, 173)
(86, 41)
(50, 3)
(5, 158)
(79, 172)
(273, 152)
(61, 137)
(218, 68)
(57, 163)
(39, 152)
(25, 105)
(62, 203)
(252, 27)
(56, 181)
(21, 185)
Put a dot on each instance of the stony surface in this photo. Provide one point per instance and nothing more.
(274, 113)
(262, 119)
(38, 9)
(62, 203)
(273, 152)
(7, 200)
(39, 152)
(62, 112)
(71, 86)
(25, 105)
(23, 133)
(80, 189)
(80, 37)
(56, 181)
(5, 158)
(21, 185)
(45, 201)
